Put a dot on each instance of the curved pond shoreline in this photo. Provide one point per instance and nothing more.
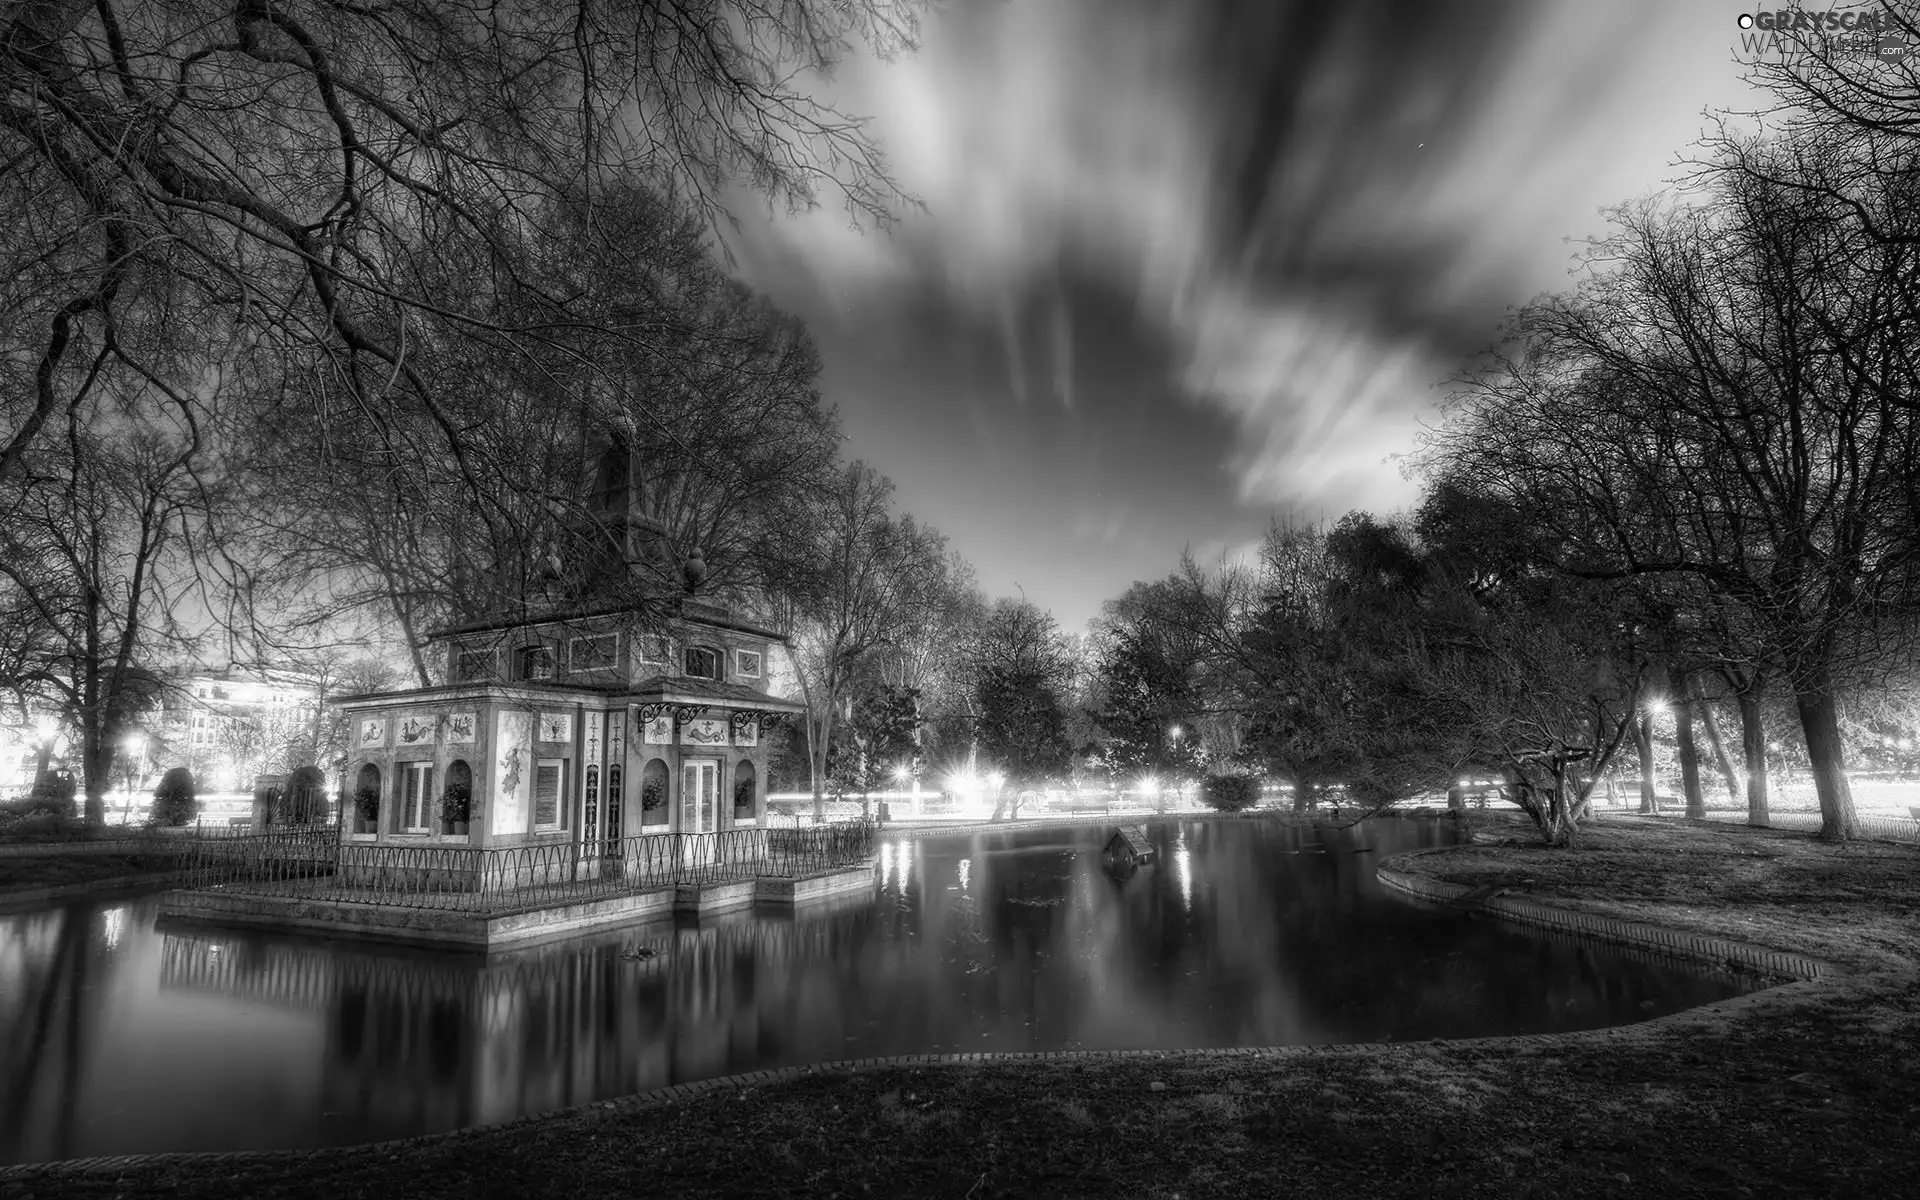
(1403, 874)
(1789, 1089)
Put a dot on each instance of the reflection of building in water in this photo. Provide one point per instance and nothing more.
(422, 1041)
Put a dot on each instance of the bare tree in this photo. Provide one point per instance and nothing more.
(873, 578)
(1023, 671)
(706, 435)
(100, 549)
(1724, 403)
(344, 183)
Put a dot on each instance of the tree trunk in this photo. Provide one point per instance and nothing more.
(1643, 742)
(1820, 720)
(817, 759)
(1718, 744)
(96, 771)
(1689, 750)
(1753, 742)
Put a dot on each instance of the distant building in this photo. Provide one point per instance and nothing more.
(227, 725)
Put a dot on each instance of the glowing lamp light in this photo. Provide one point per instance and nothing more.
(1150, 785)
(901, 773)
(47, 728)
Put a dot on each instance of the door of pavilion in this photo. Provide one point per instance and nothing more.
(699, 798)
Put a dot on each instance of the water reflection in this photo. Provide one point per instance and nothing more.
(120, 1038)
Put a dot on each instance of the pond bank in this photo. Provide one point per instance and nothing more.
(1806, 1089)
(26, 880)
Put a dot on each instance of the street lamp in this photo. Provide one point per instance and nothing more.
(1175, 735)
(903, 774)
(46, 729)
(135, 745)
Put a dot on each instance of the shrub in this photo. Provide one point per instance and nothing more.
(456, 803)
(174, 801)
(52, 793)
(1230, 793)
(46, 812)
(18, 825)
(306, 797)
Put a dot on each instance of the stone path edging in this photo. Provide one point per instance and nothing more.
(666, 1096)
(1608, 929)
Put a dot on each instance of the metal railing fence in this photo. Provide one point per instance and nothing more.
(317, 865)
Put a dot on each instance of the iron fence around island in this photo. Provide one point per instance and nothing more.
(317, 865)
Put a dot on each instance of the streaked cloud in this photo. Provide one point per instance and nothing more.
(1296, 217)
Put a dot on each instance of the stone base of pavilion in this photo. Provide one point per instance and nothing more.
(501, 923)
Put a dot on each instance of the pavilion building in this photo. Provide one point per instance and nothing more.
(577, 724)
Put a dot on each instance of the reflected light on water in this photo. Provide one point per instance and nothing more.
(263, 1041)
(886, 864)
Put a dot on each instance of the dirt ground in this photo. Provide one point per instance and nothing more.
(1809, 1089)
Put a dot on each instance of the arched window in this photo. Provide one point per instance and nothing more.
(746, 791)
(536, 662)
(456, 800)
(703, 662)
(653, 793)
(366, 799)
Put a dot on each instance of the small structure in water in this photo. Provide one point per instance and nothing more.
(1129, 845)
(586, 763)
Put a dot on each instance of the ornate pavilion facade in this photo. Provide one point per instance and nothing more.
(577, 725)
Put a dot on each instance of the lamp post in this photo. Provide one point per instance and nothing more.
(135, 746)
(1174, 734)
(45, 732)
(904, 774)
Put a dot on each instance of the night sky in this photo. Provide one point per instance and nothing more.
(1184, 266)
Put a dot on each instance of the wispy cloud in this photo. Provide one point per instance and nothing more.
(1314, 209)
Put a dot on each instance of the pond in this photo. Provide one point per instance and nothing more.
(117, 1037)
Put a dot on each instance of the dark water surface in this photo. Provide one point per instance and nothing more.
(120, 1038)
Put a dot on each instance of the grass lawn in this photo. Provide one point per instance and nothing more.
(1811, 1089)
(54, 870)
